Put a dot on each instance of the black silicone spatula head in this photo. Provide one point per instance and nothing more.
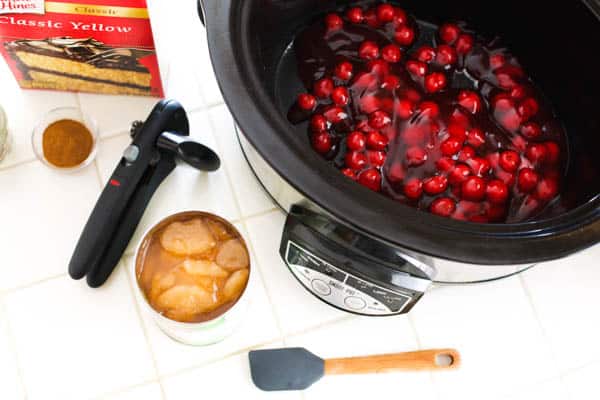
(285, 369)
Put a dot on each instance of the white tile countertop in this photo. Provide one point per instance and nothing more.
(532, 336)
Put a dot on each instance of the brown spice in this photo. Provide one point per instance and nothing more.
(67, 143)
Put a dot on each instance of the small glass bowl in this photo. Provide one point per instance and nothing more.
(57, 114)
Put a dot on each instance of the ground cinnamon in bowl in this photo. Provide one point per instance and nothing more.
(67, 143)
(65, 139)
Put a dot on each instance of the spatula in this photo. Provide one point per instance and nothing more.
(297, 368)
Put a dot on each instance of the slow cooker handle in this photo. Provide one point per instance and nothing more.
(349, 270)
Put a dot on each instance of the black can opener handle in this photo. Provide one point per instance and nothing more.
(147, 161)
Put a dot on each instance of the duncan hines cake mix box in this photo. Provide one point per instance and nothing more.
(100, 46)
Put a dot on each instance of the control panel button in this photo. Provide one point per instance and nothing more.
(321, 287)
(131, 153)
(355, 303)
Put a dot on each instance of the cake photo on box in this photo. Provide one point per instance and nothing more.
(81, 64)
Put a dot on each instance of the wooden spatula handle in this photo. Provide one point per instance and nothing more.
(424, 360)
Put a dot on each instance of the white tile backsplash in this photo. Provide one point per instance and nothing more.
(77, 343)
(38, 235)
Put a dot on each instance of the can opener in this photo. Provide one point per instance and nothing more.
(146, 162)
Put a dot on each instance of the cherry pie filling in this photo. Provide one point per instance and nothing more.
(433, 117)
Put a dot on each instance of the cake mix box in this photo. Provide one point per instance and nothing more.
(100, 46)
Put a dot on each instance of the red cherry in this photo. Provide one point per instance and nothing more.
(527, 180)
(391, 53)
(435, 185)
(505, 113)
(475, 137)
(457, 131)
(415, 156)
(355, 15)
(536, 153)
(413, 135)
(323, 88)
(307, 101)
(531, 130)
(470, 100)
(318, 123)
(368, 50)
(390, 82)
(340, 96)
(509, 160)
(552, 152)
(404, 108)
(335, 115)
(425, 54)
(369, 103)
(459, 174)
(466, 154)
(450, 146)
(520, 143)
(508, 76)
(449, 33)
(497, 191)
(464, 43)
(356, 141)
(413, 189)
(506, 177)
(416, 68)
(517, 92)
(445, 164)
(379, 119)
(528, 108)
(343, 70)
(496, 212)
(496, 61)
(385, 13)
(321, 142)
(387, 104)
(376, 158)
(371, 18)
(334, 22)
(349, 173)
(404, 35)
(376, 140)
(429, 108)
(355, 160)
(459, 117)
(435, 82)
(395, 172)
(479, 166)
(400, 17)
(546, 189)
(446, 55)
(473, 188)
(370, 178)
(444, 206)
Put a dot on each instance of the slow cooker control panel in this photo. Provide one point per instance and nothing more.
(340, 288)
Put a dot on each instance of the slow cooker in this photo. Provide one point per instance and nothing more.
(365, 253)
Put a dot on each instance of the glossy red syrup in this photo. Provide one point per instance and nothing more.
(436, 118)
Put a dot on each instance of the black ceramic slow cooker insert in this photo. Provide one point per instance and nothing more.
(363, 252)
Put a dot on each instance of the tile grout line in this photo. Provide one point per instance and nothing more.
(33, 283)
(13, 344)
(17, 164)
(539, 323)
(243, 222)
(413, 325)
(214, 360)
(124, 389)
(143, 326)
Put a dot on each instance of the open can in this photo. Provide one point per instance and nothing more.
(193, 333)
